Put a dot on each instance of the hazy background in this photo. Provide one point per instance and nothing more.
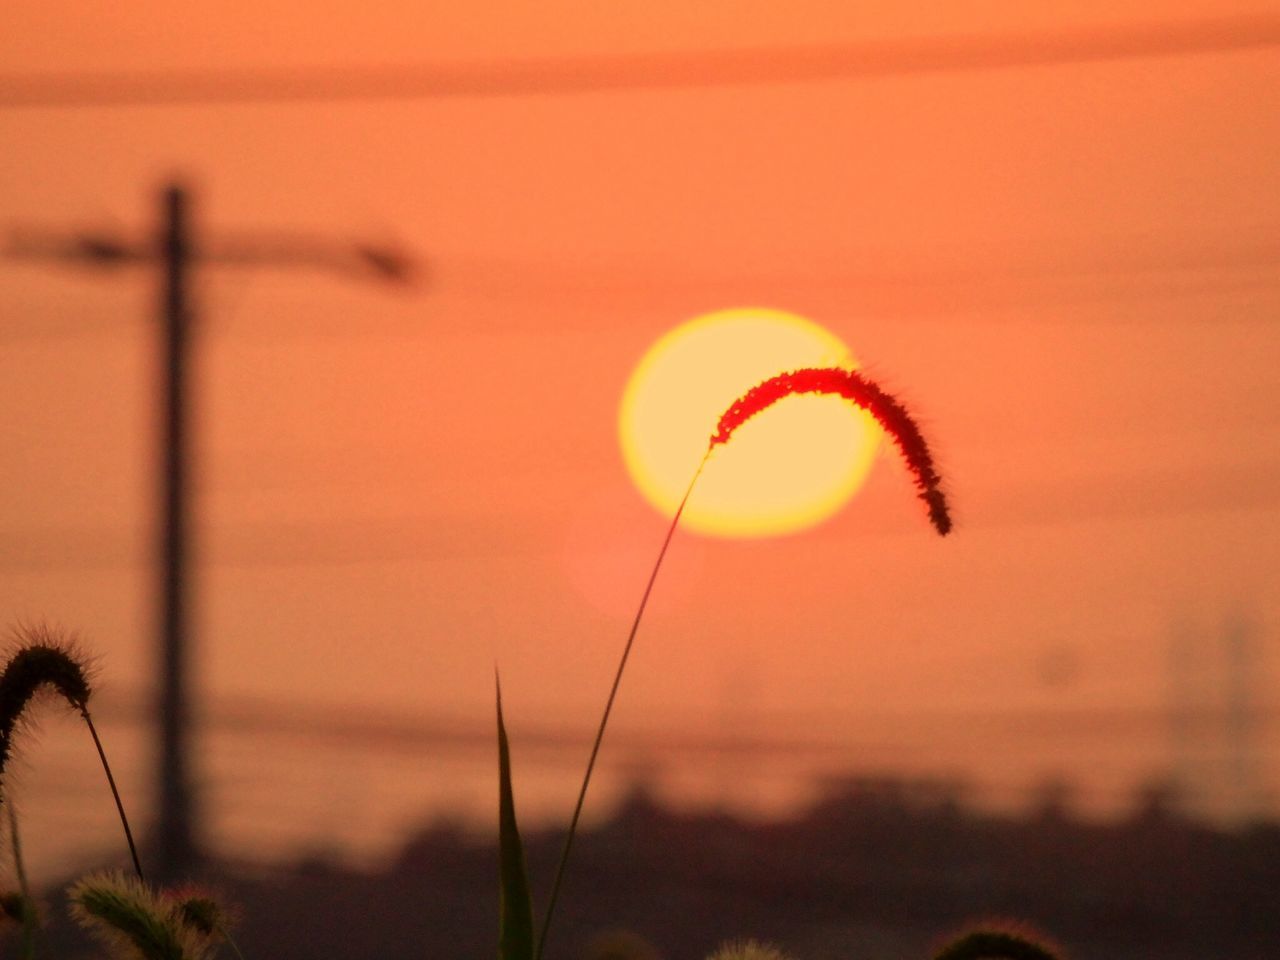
(1071, 271)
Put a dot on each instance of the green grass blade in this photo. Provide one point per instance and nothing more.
(515, 924)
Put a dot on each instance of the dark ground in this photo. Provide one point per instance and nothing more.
(879, 869)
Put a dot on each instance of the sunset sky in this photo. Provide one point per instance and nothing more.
(1069, 270)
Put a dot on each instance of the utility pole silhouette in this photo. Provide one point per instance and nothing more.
(175, 251)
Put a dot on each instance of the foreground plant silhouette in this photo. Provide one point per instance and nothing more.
(42, 662)
(898, 424)
(139, 923)
(1006, 942)
(134, 921)
(131, 919)
(515, 907)
(20, 907)
(849, 384)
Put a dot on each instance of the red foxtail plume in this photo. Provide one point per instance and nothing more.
(865, 394)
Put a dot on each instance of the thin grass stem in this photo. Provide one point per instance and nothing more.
(230, 941)
(608, 708)
(115, 793)
(24, 887)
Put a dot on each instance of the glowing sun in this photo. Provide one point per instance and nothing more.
(787, 469)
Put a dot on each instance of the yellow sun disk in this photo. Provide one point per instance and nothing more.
(787, 469)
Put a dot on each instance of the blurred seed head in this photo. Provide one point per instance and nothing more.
(620, 945)
(747, 950)
(136, 923)
(999, 939)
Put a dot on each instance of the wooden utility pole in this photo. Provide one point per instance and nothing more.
(175, 840)
(174, 249)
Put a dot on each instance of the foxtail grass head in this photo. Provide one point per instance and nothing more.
(43, 662)
(198, 910)
(865, 394)
(135, 922)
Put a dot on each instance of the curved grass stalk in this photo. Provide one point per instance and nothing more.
(115, 792)
(608, 708)
(861, 392)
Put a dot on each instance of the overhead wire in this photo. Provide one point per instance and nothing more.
(931, 295)
(678, 70)
(338, 729)
(566, 76)
(588, 75)
(396, 540)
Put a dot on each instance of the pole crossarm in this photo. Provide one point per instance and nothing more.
(353, 258)
(93, 249)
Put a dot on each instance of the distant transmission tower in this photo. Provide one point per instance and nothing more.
(173, 249)
(1186, 709)
(1242, 720)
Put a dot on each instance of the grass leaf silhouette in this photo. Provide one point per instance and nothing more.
(515, 922)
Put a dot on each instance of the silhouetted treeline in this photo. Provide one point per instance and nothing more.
(876, 869)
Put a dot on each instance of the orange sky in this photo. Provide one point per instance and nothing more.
(1070, 273)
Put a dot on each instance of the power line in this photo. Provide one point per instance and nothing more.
(568, 76)
(343, 543)
(347, 724)
(925, 294)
